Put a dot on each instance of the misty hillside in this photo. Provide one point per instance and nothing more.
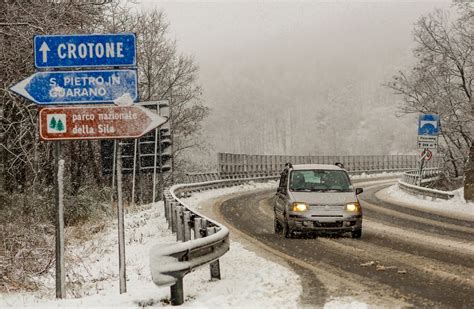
(291, 75)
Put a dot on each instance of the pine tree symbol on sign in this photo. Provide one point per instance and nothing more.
(56, 123)
(60, 126)
(52, 123)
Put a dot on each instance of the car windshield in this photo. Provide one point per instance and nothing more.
(320, 180)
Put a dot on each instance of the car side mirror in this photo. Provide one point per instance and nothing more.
(359, 191)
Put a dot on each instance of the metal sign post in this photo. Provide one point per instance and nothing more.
(59, 206)
(420, 176)
(121, 224)
(135, 147)
(114, 161)
(157, 130)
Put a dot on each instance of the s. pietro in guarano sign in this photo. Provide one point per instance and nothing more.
(78, 87)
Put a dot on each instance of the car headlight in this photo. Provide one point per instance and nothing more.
(353, 207)
(298, 206)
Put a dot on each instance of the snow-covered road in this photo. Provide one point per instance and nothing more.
(256, 272)
(406, 257)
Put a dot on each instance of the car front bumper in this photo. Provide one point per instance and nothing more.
(327, 224)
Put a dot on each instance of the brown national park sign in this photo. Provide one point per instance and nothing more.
(104, 122)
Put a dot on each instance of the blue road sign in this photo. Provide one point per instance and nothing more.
(78, 87)
(428, 124)
(85, 50)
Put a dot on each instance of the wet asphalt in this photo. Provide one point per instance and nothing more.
(420, 275)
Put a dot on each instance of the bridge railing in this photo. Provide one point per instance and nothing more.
(238, 165)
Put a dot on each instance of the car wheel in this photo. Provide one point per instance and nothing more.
(356, 234)
(287, 232)
(276, 226)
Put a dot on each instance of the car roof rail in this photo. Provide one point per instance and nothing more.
(339, 164)
(288, 164)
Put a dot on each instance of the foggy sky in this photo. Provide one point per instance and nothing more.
(300, 77)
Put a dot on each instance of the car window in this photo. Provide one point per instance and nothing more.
(319, 180)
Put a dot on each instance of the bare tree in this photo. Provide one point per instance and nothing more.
(164, 74)
(26, 164)
(442, 80)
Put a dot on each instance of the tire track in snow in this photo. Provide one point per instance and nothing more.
(416, 285)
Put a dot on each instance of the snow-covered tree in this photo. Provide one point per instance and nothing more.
(442, 80)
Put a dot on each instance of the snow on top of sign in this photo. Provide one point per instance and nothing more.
(124, 100)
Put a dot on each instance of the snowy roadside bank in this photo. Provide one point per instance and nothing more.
(248, 281)
(455, 207)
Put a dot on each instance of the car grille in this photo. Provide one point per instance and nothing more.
(328, 207)
(328, 224)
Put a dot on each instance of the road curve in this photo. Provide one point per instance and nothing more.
(405, 256)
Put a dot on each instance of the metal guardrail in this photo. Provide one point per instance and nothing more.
(411, 179)
(417, 190)
(427, 175)
(200, 240)
(202, 177)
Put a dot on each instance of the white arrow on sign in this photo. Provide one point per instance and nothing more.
(44, 49)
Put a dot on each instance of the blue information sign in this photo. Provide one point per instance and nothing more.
(428, 124)
(85, 50)
(78, 87)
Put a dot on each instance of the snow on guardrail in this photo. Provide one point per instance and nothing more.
(412, 178)
(200, 239)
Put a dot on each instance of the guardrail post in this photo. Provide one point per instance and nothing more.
(179, 223)
(215, 266)
(177, 293)
(165, 206)
(197, 228)
(173, 216)
(186, 226)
